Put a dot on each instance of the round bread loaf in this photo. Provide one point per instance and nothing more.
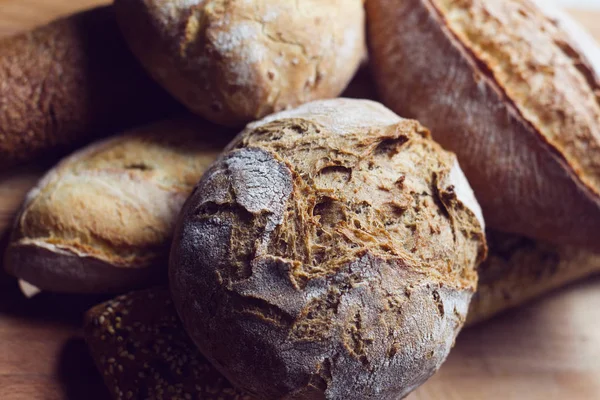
(513, 92)
(330, 253)
(102, 219)
(236, 61)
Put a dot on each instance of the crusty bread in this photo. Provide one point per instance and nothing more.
(236, 61)
(101, 221)
(330, 253)
(515, 94)
(63, 84)
(143, 352)
(139, 344)
(519, 269)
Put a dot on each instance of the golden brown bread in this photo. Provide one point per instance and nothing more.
(329, 253)
(513, 93)
(519, 269)
(101, 220)
(65, 83)
(236, 61)
(143, 352)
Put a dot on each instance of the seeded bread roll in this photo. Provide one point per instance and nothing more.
(519, 269)
(514, 93)
(236, 61)
(143, 352)
(63, 84)
(102, 219)
(329, 253)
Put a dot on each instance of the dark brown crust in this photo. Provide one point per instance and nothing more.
(327, 255)
(65, 83)
(143, 352)
(523, 184)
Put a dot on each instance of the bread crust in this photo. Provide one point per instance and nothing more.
(519, 270)
(66, 83)
(101, 220)
(233, 62)
(512, 94)
(330, 253)
(143, 352)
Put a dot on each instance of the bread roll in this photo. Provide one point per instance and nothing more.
(143, 352)
(515, 94)
(236, 61)
(140, 346)
(63, 84)
(102, 219)
(330, 253)
(519, 269)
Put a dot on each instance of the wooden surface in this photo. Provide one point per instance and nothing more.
(547, 350)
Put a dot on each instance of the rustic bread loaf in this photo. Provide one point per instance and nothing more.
(514, 93)
(140, 346)
(330, 252)
(63, 84)
(236, 61)
(143, 352)
(519, 269)
(101, 221)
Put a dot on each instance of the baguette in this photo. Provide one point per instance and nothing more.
(330, 253)
(519, 269)
(236, 61)
(514, 93)
(101, 220)
(63, 84)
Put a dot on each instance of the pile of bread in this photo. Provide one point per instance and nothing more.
(334, 248)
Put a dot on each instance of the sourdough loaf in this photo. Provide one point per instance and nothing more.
(235, 61)
(101, 220)
(513, 92)
(63, 84)
(330, 252)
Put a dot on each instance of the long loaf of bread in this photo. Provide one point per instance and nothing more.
(67, 82)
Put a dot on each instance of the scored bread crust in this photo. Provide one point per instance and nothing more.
(68, 82)
(512, 94)
(233, 62)
(101, 220)
(330, 252)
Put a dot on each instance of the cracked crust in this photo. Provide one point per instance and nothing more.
(101, 220)
(519, 269)
(66, 83)
(236, 61)
(328, 254)
(516, 96)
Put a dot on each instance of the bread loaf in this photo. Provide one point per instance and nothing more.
(514, 93)
(143, 352)
(519, 269)
(102, 219)
(65, 83)
(140, 346)
(236, 61)
(330, 253)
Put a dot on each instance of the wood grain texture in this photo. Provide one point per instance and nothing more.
(547, 350)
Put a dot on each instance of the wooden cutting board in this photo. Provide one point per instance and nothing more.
(547, 350)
